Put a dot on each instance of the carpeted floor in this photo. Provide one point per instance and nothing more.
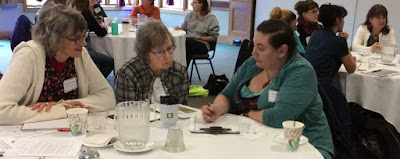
(224, 63)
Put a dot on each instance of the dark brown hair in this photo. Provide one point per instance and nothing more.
(205, 9)
(280, 33)
(80, 5)
(304, 6)
(328, 14)
(376, 11)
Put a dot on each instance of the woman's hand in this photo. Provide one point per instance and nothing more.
(40, 105)
(209, 113)
(177, 28)
(376, 47)
(73, 104)
(344, 34)
(104, 26)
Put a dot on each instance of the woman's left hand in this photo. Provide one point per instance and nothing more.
(40, 105)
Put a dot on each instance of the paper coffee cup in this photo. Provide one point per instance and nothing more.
(77, 118)
(292, 131)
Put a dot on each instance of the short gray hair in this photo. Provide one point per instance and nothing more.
(55, 23)
(149, 35)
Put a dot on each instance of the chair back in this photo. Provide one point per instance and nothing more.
(337, 113)
(244, 53)
(22, 31)
(213, 45)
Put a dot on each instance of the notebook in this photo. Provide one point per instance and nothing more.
(51, 124)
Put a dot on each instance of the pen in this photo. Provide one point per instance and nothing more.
(64, 130)
(376, 71)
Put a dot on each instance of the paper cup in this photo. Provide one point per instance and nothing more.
(77, 118)
(292, 131)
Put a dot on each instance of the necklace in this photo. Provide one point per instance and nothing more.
(266, 83)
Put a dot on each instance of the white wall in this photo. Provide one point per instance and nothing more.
(357, 11)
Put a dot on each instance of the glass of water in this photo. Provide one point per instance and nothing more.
(133, 124)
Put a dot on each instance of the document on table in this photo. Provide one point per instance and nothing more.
(51, 124)
(16, 132)
(6, 144)
(56, 147)
(225, 121)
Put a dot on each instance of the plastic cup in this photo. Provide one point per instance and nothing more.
(292, 131)
(174, 142)
(77, 118)
(372, 62)
(99, 120)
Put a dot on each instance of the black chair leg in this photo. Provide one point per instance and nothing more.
(191, 73)
(197, 69)
(212, 68)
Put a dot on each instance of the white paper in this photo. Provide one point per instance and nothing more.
(224, 121)
(6, 144)
(51, 124)
(57, 147)
(16, 132)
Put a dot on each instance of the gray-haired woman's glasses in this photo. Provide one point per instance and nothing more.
(78, 40)
(170, 50)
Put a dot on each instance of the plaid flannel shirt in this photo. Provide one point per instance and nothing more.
(135, 80)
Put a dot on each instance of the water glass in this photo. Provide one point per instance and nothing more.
(99, 120)
(388, 54)
(292, 131)
(174, 141)
(133, 124)
(141, 19)
(372, 62)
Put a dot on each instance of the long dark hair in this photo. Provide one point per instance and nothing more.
(328, 14)
(376, 11)
(205, 9)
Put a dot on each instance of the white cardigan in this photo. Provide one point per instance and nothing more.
(22, 85)
(362, 36)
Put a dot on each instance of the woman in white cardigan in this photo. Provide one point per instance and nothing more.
(374, 32)
(53, 72)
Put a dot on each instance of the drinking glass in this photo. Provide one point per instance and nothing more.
(133, 124)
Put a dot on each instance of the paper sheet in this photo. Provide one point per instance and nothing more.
(16, 132)
(6, 144)
(57, 147)
(51, 124)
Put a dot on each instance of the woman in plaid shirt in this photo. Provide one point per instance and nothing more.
(153, 73)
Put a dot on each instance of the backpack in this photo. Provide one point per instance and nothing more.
(216, 83)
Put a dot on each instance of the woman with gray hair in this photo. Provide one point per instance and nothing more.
(153, 73)
(53, 72)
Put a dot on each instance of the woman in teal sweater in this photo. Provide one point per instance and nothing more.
(276, 85)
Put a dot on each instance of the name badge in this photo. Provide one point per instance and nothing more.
(160, 92)
(70, 84)
(272, 94)
(97, 10)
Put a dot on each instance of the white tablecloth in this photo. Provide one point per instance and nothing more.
(378, 94)
(206, 146)
(121, 47)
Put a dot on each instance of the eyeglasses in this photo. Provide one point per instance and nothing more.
(170, 50)
(78, 40)
(315, 11)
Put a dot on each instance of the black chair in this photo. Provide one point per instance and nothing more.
(22, 31)
(244, 53)
(207, 57)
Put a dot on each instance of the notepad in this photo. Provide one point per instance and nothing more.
(225, 121)
(51, 124)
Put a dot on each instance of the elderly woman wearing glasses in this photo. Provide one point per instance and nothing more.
(153, 73)
(53, 72)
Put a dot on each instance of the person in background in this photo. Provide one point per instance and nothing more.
(201, 27)
(98, 11)
(53, 72)
(86, 7)
(146, 8)
(308, 20)
(153, 73)
(374, 32)
(326, 51)
(289, 17)
(274, 85)
(44, 6)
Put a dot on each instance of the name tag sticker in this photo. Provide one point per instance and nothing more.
(70, 84)
(97, 10)
(272, 94)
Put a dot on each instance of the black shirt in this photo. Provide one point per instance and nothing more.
(324, 52)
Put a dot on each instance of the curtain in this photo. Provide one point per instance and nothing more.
(120, 3)
(170, 2)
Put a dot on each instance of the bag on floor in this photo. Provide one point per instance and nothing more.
(216, 83)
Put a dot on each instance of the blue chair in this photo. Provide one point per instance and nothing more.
(337, 112)
(22, 31)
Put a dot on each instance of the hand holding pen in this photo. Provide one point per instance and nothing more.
(209, 113)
